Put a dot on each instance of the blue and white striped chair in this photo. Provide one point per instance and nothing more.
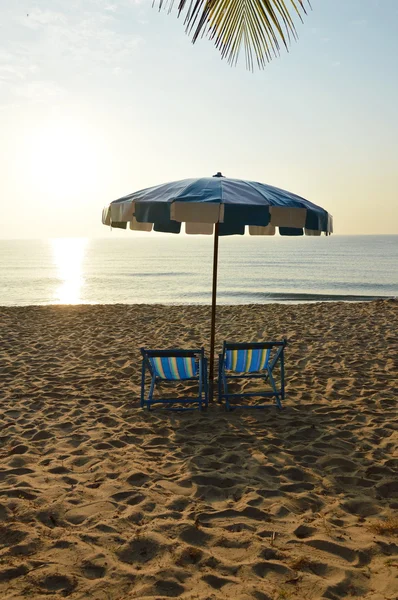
(252, 361)
(174, 365)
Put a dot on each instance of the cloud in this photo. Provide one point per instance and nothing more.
(12, 72)
(39, 17)
(56, 41)
(40, 91)
(94, 34)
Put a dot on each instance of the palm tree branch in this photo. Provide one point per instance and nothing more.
(257, 26)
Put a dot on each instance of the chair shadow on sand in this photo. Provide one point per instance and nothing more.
(279, 494)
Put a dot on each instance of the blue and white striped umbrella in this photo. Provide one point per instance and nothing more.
(220, 204)
(232, 203)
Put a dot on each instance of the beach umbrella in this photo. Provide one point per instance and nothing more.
(217, 206)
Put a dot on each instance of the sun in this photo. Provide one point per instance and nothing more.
(63, 157)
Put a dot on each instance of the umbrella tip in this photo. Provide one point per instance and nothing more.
(218, 174)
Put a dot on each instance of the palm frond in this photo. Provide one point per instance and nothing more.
(260, 27)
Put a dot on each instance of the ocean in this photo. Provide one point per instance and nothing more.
(170, 269)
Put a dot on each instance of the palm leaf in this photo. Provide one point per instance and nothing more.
(261, 27)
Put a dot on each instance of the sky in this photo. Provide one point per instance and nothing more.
(100, 98)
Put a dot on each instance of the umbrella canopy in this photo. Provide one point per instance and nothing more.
(221, 205)
(233, 203)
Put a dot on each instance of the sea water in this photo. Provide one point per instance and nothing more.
(150, 268)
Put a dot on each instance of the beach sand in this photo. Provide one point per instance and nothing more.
(100, 499)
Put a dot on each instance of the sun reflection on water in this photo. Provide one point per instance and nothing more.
(68, 254)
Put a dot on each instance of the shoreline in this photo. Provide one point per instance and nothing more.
(315, 299)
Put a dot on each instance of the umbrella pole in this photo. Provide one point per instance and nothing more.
(213, 313)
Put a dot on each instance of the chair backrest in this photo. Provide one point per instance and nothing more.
(247, 361)
(174, 364)
(249, 358)
(174, 367)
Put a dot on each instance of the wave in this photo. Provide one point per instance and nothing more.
(155, 274)
(295, 297)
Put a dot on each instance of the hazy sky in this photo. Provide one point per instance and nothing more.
(99, 98)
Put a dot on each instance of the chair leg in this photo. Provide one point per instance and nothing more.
(273, 384)
(151, 390)
(142, 400)
(200, 385)
(220, 381)
(225, 392)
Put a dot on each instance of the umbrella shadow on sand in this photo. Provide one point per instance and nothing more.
(279, 495)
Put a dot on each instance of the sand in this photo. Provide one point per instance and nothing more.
(100, 499)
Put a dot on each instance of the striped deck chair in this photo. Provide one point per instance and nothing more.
(174, 365)
(252, 361)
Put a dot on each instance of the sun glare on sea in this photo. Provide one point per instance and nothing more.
(68, 255)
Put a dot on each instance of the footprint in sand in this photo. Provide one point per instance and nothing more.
(130, 497)
(189, 556)
(304, 531)
(267, 568)
(55, 583)
(216, 582)
(19, 449)
(93, 570)
(362, 508)
(168, 588)
(9, 536)
(141, 549)
(330, 547)
(75, 516)
(137, 478)
(194, 536)
(13, 573)
(349, 585)
(18, 492)
(388, 489)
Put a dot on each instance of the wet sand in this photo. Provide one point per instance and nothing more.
(100, 499)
